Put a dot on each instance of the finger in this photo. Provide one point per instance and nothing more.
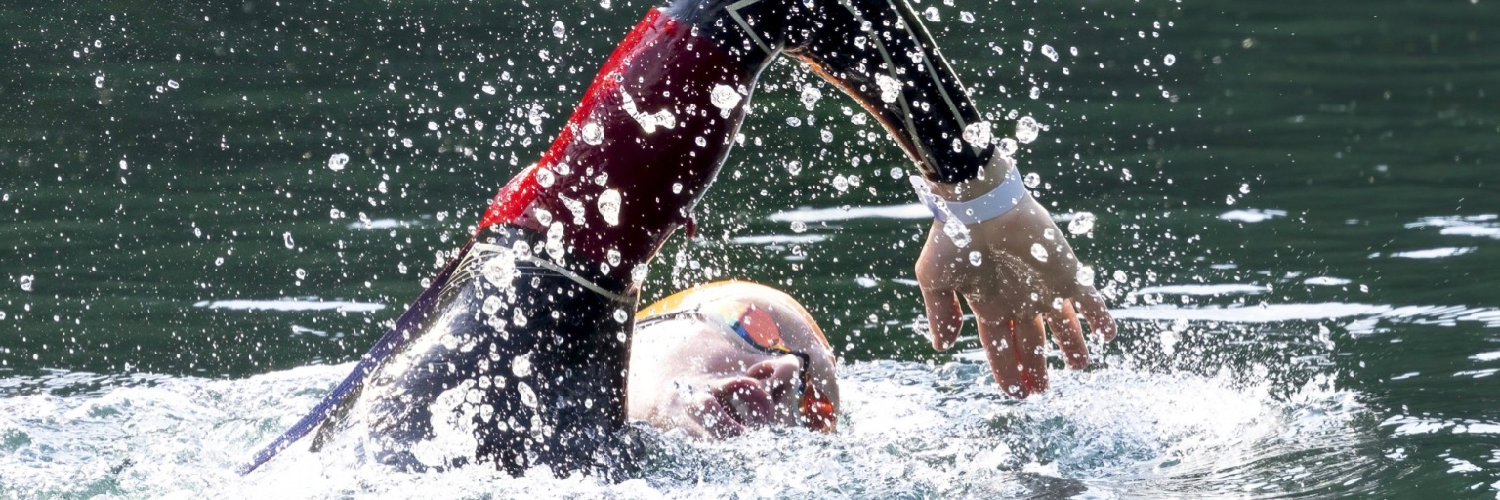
(996, 336)
(1093, 309)
(944, 317)
(1031, 340)
(1068, 334)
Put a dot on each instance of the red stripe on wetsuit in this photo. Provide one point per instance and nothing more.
(658, 152)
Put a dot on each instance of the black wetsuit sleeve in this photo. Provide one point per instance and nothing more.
(879, 53)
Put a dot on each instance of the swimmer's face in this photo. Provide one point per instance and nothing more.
(695, 372)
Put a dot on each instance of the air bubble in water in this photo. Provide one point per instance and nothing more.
(975, 258)
(338, 161)
(1032, 180)
(1085, 276)
(1169, 60)
(1050, 52)
(1027, 129)
(286, 239)
(1039, 252)
(1082, 223)
(724, 97)
(978, 134)
(593, 134)
(609, 206)
(26, 282)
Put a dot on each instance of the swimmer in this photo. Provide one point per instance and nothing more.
(522, 341)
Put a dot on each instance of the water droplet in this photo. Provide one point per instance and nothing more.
(676, 188)
(517, 317)
(1026, 45)
(559, 30)
(554, 244)
(562, 169)
(1032, 180)
(491, 305)
(542, 215)
(793, 167)
(99, 82)
(459, 113)
(799, 226)
(1073, 51)
(826, 135)
(488, 89)
(1085, 276)
(219, 261)
(544, 177)
(1229, 200)
(896, 172)
(1036, 93)
(286, 239)
(840, 183)
(1050, 52)
(931, 14)
(609, 206)
(528, 396)
(604, 4)
(612, 257)
(966, 16)
(26, 282)
(978, 134)
(1038, 252)
(593, 134)
(172, 84)
(975, 258)
(1244, 189)
(1027, 129)
(521, 365)
(338, 161)
(810, 96)
(638, 273)
(620, 316)
(1082, 223)
(1008, 147)
(889, 88)
(725, 97)
(1057, 303)
(124, 165)
(957, 232)
(1049, 234)
(1169, 60)
(301, 274)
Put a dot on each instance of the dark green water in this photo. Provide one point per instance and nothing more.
(1335, 160)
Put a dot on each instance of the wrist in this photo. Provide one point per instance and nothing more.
(994, 193)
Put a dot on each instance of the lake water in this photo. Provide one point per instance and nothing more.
(1298, 206)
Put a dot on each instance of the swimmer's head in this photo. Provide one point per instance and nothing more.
(718, 359)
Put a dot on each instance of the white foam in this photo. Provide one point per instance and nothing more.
(908, 211)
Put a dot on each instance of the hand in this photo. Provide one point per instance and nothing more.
(1013, 294)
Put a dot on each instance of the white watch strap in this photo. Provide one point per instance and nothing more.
(990, 205)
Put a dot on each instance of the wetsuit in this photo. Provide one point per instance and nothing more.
(517, 353)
